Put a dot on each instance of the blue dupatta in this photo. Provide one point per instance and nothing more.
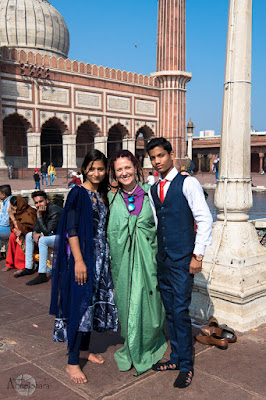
(68, 299)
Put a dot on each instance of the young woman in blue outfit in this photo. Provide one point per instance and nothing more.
(82, 287)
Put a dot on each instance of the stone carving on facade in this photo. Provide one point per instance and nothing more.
(64, 117)
(54, 95)
(88, 99)
(80, 119)
(27, 115)
(117, 103)
(112, 121)
(46, 116)
(125, 122)
(97, 121)
(145, 107)
(16, 90)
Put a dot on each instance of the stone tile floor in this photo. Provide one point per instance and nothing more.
(27, 349)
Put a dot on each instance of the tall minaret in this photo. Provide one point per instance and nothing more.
(2, 157)
(171, 66)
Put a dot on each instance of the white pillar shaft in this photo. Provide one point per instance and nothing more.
(100, 143)
(234, 184)
(234, 266)
(129, 144)
(69, 151)
(34, 149)
(189, 146)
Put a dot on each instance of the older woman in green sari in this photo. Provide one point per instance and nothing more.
(133, 247)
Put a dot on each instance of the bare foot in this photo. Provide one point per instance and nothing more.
(75, 374)
(5, 269)
(96, 358)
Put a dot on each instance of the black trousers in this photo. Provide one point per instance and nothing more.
(176, 283)
(82, 342)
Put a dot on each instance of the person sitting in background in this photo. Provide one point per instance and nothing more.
(80, 176)
(44, 232)
(5, 196)
(75, 180)
(22, 218)
(36, 178)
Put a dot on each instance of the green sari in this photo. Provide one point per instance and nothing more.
(133, 247)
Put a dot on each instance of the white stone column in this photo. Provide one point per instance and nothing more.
(34, 149)
(69, 151)
(2, 155)
(189, 145)
(2, 160)
(129, 144)
(232, 286)
(100, 143)
(147, 162)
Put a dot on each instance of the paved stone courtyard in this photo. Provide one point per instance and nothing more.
(26, 348)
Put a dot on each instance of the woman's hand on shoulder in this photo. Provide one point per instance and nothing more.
(81, 274)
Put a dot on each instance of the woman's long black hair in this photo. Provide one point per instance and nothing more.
(97, 155)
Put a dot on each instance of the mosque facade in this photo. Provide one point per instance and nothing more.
(56, 109)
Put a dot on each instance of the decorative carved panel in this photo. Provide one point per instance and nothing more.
(88, 100)
(54, 95)
(145, 107)
(116, 103)
(16, 90)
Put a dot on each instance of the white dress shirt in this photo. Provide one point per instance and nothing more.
(194, 194)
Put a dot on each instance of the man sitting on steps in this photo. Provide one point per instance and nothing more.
(44, 232)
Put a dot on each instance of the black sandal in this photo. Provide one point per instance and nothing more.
(184, 379)
(165, 366)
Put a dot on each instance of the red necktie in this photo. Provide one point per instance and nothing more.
(162, 183)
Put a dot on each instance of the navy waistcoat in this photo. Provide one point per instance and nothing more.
(175, 231)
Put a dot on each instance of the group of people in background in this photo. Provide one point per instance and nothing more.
(45, 172)
(124, 252)
(28, 231)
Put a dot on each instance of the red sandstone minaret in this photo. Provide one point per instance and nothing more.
(171, 66)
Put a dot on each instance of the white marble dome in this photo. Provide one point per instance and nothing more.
(33, 25)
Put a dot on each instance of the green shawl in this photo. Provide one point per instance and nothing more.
(133, 247)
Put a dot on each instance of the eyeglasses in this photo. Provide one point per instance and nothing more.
(131, 207)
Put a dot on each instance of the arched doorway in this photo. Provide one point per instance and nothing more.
(85, 140)
(115, 139)
(15, 130)
(51, 142)
(143, 135)
(255, 162)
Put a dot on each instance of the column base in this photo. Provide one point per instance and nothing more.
(236, 294)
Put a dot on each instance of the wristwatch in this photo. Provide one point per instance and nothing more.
(198, 257)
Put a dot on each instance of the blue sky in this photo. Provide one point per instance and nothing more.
(106, 32)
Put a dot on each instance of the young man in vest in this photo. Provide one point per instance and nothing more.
(177, 200)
